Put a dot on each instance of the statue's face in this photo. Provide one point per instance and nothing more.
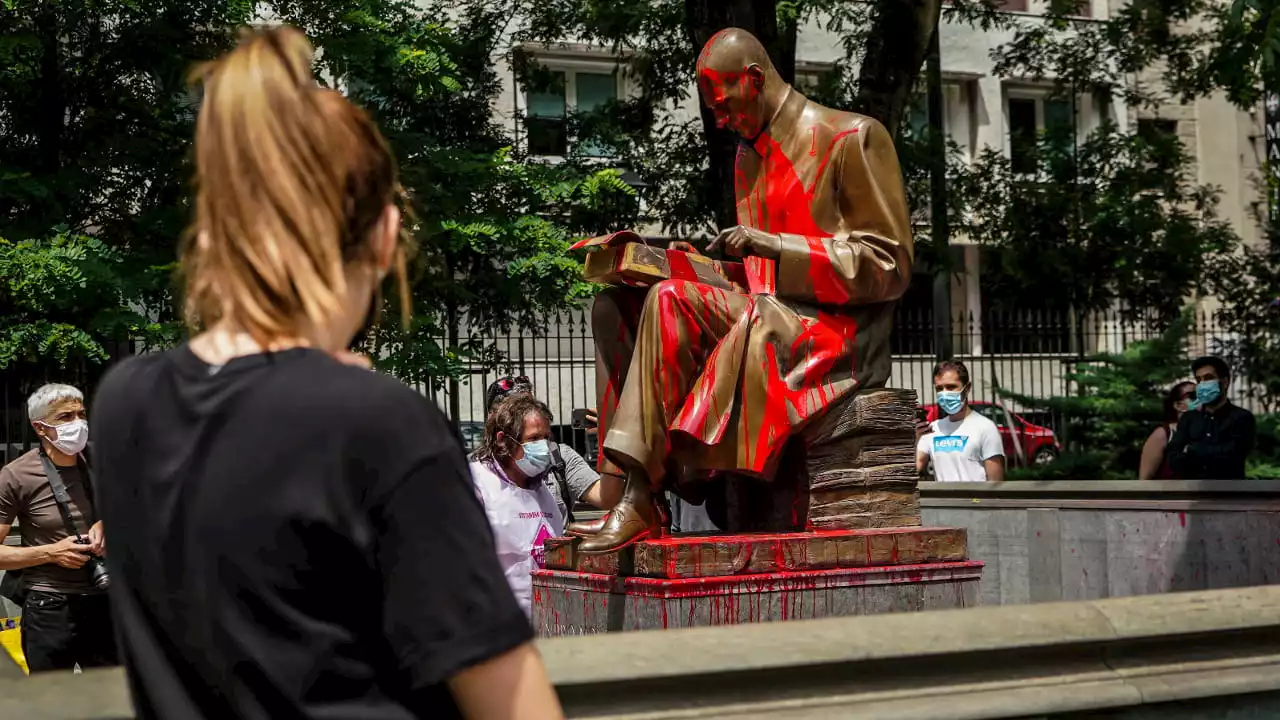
(736, 98)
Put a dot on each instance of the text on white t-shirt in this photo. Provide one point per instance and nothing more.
(958, 449)
(521, 518)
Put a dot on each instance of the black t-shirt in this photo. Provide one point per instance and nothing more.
(290, 537)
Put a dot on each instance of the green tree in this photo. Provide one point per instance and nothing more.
(1113, 220)
(688, 162)
(60, 299)
(1117, 403)
(493, 229)
(1249, 288)
(96, 121)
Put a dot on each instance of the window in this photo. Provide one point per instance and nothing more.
(1028, 117)
(545, 123)
(818, 80)
(1080, 8)
(957, 113)
(1153, 129)
(570, 92)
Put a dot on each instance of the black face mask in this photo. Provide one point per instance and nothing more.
(370, 320)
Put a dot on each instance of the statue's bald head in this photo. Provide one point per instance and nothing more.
(733, 49)
(735, 75)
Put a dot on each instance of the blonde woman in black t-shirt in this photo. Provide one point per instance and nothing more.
(292, 536)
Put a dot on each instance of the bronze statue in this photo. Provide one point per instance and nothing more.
(703, 378)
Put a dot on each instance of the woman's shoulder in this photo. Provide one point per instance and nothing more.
(484, 477)
(481, 469)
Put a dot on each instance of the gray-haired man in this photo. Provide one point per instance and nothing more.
(65, 616)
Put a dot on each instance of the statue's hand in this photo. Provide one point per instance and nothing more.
(741, 241)
(684, 246)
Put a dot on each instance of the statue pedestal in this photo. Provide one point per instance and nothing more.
(700, 580)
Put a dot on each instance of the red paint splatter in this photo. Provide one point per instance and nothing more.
(783, 200)
(1182, 518)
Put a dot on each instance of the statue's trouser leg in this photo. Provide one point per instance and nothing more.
(680, 324)
(615, 319)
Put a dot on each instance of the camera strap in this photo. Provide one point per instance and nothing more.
(560, 473)
(59, 488)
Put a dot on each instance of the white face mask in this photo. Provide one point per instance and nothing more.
(72, 436)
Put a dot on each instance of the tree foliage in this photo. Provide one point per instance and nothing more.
(492, 228)
(1152, 51)
(1249, 287)
(59, 298)
(1115, 219)
(96, 122)
(1116, 404)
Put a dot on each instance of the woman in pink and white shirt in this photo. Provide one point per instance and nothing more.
(508, 472)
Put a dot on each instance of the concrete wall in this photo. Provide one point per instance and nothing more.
(1090, 540)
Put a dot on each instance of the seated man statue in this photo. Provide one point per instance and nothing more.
(696, 377)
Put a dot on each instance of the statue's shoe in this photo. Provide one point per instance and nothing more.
(634, 518)
(586, 528)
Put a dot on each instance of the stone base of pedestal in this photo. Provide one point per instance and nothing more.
(693, 581)
(576, 603)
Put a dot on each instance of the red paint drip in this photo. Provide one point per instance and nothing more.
(785, 201)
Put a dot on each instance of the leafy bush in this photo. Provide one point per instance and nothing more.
(1118, 402)
(1265, 461)
(61, 299)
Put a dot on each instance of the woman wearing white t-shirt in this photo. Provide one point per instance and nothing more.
(507, 472)
(964, 446)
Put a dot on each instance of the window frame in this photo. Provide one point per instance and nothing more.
(571, 68)
(1040, 96)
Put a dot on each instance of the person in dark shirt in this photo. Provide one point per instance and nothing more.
(1215, 437)
(293, 535)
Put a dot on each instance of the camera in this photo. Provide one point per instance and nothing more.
(97, 569)
(580, 421)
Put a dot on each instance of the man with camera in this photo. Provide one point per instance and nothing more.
(57, 576)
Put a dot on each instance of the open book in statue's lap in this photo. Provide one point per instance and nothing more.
(709, 376)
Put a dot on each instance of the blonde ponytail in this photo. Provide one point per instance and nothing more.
(291, 180)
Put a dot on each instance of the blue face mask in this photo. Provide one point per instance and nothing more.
(1208, 392)
(951, 401)
(537, 458)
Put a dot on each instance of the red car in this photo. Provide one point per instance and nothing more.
(1039, 444)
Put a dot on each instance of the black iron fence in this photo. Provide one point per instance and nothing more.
(1024, 352)
(1028, 353)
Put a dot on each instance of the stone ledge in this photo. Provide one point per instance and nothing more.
(1219, 646)
(991, 662)
(1144, 489)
